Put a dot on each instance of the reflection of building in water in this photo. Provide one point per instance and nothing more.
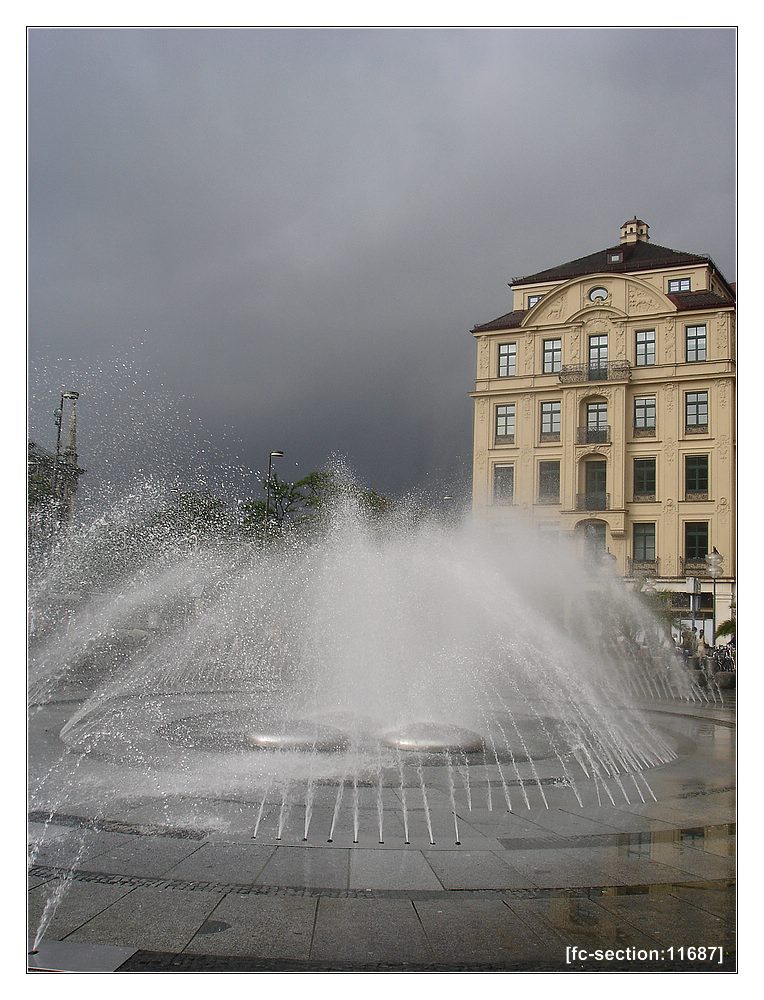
(53, 478)
(662, 845)
(579, 919)
(605, 410)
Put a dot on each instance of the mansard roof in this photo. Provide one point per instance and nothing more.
(700, 300)
(639, 256)
(506, 322)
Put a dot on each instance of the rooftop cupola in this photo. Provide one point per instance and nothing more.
(635, 231)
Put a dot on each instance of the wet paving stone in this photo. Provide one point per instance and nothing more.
(257, 926)
(370, 869)
(307, 866)
(83, 901)
(364, 931)
(164, 919)
(475, 931)
(476, 870)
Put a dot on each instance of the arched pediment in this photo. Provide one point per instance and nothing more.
(593, 453)
(586, 522)
(612, 298)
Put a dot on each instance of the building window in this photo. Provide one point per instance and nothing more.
(595, 538)
(696, 412)
(695, 343)
(549, 482)
(505, 424)
(507, 360)
(598, 357)
(533, 299)
(696, 477)
(695, 540)
(596, 423)
(645, 353)
(644, 416)
(503, 484)
(552, 355)
(644, 479)
(644, 543)
(550, 421)
(595, 496)
(616, 257)
(598, 294)
(679, 285)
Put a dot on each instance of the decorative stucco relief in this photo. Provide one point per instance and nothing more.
(483, 358)
(668, 392)
(723, 448)
(724, 387)
(620, 340)
(481, 416)
(558, 308)
(669, 347)
(481, 470)
(528, 354)
(640, 300)
(722, 509)
(669, 450)
(589, 304)
(721, 335)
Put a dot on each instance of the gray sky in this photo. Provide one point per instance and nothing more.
(260, 239)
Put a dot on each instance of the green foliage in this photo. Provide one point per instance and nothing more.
(728, 628)
(302, 504)
(39, 490)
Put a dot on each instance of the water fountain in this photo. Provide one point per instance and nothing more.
(331, 678)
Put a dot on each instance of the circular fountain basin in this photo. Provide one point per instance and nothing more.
(432, 737)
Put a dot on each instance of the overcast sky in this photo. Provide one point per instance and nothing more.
(243, 240)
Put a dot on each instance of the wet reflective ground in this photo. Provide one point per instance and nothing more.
(631, 883)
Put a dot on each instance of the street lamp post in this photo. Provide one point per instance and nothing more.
(59, 418)
(714, 562)
(271, 456)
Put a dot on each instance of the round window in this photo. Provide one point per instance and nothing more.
(598, 294)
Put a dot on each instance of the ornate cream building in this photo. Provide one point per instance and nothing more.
(605, 409)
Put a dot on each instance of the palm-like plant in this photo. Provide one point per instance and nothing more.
(727, 628)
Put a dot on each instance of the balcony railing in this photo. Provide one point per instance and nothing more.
(613, 371)
(644, 567)
(592, 501)
(693, 567)
(644, 432)
(593, 435)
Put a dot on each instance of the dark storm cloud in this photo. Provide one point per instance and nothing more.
(307, 223)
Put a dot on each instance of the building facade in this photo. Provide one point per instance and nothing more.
(605, 411)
